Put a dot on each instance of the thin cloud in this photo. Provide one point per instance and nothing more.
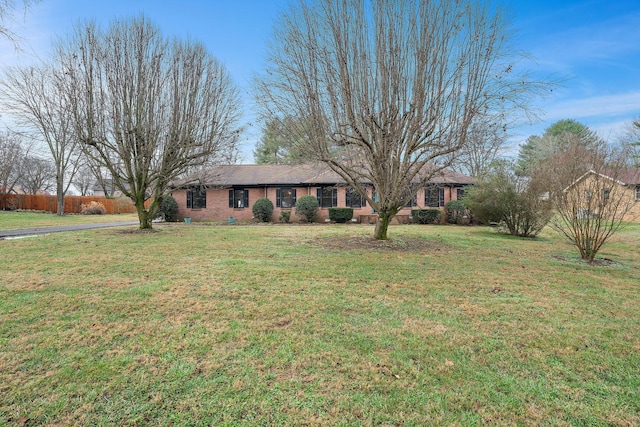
(624, 104)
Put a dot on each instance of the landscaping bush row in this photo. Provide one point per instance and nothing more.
(307, 207)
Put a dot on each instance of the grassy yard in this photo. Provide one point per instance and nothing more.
(298, 325)
(21, 220)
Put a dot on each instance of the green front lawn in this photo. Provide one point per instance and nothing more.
(298, 325)
(20, 220)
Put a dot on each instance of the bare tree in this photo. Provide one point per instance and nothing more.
(12, 154)
(84, 180)
(147, 109)
(8, 10)
(630, 139)
(38, 175)
(486, 139)
(101, 174)
(388, 89)
(36, 96)
(589, 193)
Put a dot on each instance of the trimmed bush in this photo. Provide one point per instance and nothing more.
(168, 209)
(340, 215)
(426, 216)
(285, 216)
(307, 206)
(455, 210)
(93, 208)
(263, 209)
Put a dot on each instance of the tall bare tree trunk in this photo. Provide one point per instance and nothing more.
(60, 195)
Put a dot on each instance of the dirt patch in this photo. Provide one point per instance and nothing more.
(138, 231)
(598, 262)
(408, 244)
(603, 262)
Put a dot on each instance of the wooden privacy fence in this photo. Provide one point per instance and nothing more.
(72, 204)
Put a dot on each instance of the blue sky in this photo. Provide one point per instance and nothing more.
(594, 46)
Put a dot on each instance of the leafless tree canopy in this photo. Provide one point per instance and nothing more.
(85, 180)
(13, 151)
(387, 87)
(39, 175)
(486, 140)
(36, 96)
(146, 108)
(8, 11)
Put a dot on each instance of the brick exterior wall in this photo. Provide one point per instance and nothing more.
(217, 204)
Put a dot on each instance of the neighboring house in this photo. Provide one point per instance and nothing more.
(106, 188)
(230, 191)
(624, 184)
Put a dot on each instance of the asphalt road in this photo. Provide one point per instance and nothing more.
(47, 230)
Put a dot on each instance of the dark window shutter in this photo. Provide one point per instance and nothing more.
(278, 197)
(203, 198)
(334, 197)
(231, 198)
(293, 197)
(347, 197)
(246, 198)
(441, 196)
(189, 199)
(319, 196)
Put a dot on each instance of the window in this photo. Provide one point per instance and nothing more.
(238, 198)
(327, 197)
(587, 195)
(459, 193)
(197, 198)
(638, 192)
(353, 199)
(606, 193)
(434, 197)
(413, 201)
(285, 197)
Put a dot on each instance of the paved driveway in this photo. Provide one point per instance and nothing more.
(46, 230)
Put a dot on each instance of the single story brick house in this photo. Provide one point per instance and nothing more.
(229, 191)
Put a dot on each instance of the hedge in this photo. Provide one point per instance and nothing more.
(426, 216)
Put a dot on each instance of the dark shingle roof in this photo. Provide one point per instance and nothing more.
(625, 176)
(629, 176)
(302, 175)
